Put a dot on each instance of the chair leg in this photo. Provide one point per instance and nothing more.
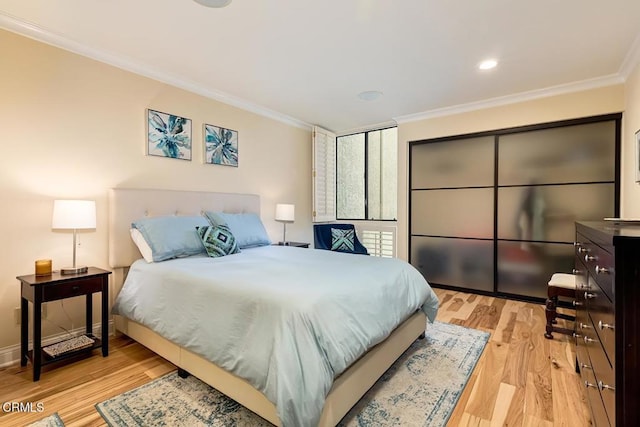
(550, 313)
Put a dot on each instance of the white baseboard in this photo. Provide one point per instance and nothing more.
(11, 355)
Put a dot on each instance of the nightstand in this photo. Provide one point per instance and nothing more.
(39, 289)
(294, 244)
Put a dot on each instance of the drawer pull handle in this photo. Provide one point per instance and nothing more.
(577, 244)
(589, 258)
(587, 340)
(577, 304)
(603, 386)
(575, 271)
(604, 326)
(584, 326)
(576, 335)
(584, 250)
(587, 295)
(587, 384)
(585, 366)
(602, 270)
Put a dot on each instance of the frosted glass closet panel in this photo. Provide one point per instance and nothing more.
(454, 262)
(449, 164)
(463, 212)
(525, 268)
(549, 212)
(580, 153)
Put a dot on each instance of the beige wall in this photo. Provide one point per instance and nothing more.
(630, 203)
(575, 105)
(72, 127)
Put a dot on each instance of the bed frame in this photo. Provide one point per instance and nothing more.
(127, 205)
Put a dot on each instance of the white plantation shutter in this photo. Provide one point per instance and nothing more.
(379, 240)
(324, 175)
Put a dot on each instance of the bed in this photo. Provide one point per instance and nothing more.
(345, 385)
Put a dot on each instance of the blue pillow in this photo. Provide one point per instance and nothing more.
(171, 236)
(218, 240)
(342, 240)
(246, 227)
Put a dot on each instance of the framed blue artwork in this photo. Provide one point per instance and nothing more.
(168, 135)
(220, 146)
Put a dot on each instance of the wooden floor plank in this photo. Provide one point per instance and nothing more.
(485, 391)
(503, 402)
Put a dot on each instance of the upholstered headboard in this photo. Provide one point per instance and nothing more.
(127, 205)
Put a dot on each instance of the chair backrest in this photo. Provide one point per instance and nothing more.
(323, 238)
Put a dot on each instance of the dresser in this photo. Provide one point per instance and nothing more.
(607, 268)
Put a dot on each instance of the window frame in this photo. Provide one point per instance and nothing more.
(366, 176)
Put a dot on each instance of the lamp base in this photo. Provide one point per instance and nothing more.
(74, 270)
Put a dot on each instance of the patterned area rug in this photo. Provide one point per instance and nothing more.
(50, 421)
(420, 389)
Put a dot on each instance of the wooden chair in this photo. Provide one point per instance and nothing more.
(560, 285)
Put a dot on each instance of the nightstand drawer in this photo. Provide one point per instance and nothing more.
(71, 289)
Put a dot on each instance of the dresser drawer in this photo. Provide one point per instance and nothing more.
(599, 414)
(601, 311)
(72, 289)
(583, 324)
(599, 263)
(602, 371)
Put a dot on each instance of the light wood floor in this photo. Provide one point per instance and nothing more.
(522, 379)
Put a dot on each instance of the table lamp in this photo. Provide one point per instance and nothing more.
(285, 213)
(74, 215)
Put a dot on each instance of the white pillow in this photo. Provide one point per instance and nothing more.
(142, 244)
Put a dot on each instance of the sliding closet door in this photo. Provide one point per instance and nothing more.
(495, 212)
(547, 180)
(452, 212)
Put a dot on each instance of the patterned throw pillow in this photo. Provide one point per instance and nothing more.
(218, 240)
(342, 240)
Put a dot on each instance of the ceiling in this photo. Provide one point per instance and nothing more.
(305, 62)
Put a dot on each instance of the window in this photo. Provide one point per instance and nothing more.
(366, 185)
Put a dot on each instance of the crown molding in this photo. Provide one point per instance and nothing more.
(38, 33)
(631, 60)
(369, 128)
(610, 80)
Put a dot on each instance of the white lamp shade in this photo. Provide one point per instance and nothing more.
(285, 212)
(74, 214)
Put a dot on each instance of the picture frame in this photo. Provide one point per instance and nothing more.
(638, 156)
(168, 135)
(220, 145)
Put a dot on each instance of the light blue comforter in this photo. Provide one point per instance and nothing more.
(288, 320)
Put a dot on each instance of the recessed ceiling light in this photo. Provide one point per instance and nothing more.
(370, 95)
(213, 3)
(488, 64)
